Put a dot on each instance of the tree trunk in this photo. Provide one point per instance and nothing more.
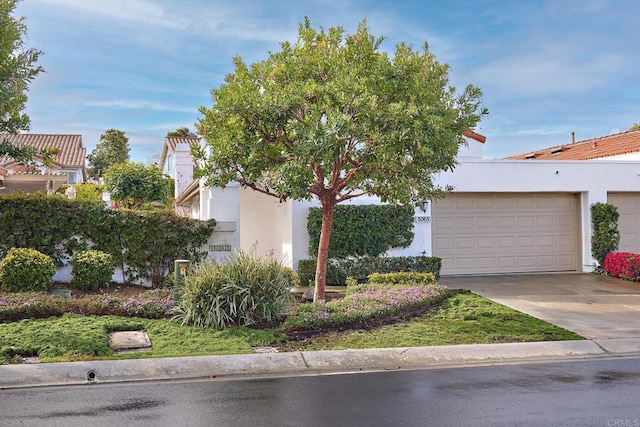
(323, 250)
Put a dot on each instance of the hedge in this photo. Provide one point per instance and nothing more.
(144, 244)
(402, 278)
(361, 268)
(363, 230)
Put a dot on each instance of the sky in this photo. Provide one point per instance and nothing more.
(546, 68)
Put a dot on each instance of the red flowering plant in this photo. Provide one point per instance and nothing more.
(625, 265)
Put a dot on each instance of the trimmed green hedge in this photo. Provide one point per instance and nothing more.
(336, 275)
(363, 230)
(361, 268)
(606, 236)
(144, 244)
(402, 278)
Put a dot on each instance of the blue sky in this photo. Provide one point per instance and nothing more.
(546, 68)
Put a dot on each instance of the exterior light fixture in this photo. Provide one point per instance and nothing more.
(424, 204)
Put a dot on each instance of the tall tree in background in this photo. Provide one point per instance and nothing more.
(333, 117)
(183, 131)
(132, 184)
(17, 69)
(113, 148)
(635, 126)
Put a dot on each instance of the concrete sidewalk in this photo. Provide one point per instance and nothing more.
(308, 363)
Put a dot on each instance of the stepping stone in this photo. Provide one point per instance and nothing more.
(123, 341)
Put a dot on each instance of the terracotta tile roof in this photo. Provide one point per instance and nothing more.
(605, 146)
(72, 154)
(170, 142)
(473, 135)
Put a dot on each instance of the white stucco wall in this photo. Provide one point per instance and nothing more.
(471, 150)
(183, 171)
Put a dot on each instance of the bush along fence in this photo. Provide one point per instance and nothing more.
(624, 265)
(361, 268)
(143, 244)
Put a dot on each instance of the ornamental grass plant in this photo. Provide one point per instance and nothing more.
(244, 290)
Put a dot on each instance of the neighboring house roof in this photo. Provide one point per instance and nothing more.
(596, 148)
(170, 142)
(71, 155)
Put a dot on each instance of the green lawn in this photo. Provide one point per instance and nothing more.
(464, 318)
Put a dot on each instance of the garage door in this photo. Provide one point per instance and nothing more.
(506, 232)
(628, 205)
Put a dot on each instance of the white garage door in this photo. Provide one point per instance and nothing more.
(628, 205)
(506, 232)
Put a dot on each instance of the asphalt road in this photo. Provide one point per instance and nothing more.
(584, 393)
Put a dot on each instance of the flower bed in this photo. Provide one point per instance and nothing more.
(152, 304)
(624, 265)
(367, 303)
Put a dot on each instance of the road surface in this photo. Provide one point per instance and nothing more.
(584, 393)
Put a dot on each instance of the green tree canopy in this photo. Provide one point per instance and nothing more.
(17, 69)
(132, 184)
(113, 148)
(635, 126)
(334, 117)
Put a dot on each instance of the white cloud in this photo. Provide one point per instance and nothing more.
(137, 11)
(130, 104)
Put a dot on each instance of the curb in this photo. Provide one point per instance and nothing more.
(307, 363)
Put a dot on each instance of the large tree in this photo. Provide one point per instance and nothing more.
(334, 117)
(112, 148)
(17, 69)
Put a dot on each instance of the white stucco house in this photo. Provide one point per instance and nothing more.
(511, 215)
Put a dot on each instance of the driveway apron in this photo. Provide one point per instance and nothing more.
(588, 304)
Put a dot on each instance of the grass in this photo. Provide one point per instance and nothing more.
(464, 318)
(74, 337)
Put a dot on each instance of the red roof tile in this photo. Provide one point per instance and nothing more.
(71, 154)
(473, 135)
(605, 146)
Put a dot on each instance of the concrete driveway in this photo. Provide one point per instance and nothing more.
(591, 305)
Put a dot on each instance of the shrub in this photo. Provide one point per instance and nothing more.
(25, 269)
(364, 303)
(244, 290)
(606, 237)
(336, 275)
(403, 278)
(361, 268)
(91, 269)
(624, 265)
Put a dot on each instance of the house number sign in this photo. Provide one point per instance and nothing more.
(220, 248)
(424, 219)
